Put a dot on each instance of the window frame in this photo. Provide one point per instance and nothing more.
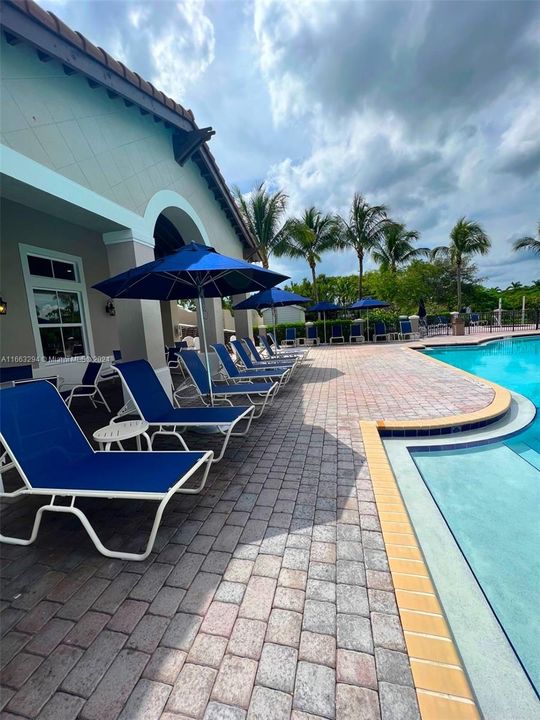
(39, 282)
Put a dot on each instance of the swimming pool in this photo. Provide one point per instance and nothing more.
(490, 497)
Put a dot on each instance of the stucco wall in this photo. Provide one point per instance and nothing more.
(60, 122)
(20, 224)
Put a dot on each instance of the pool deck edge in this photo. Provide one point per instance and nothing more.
(499, 405)
(441, 683)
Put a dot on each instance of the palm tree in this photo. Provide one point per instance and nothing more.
(363, 230)
(395, 247)
(466, 238)
(308, 237)
(262, 211)
(529, 243)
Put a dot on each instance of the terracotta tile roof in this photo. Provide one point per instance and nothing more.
(54, 23)
(202, 157)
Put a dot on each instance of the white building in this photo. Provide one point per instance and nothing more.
(287, 314)
(100, 171)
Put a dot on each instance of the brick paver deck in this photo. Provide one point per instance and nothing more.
(268, 596)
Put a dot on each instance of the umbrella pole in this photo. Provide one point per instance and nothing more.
(367, 324)
(275, 331)
(206, 354)
(324, 324)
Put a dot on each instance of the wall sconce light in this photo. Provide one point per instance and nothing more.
(109, 308)
(3, 306)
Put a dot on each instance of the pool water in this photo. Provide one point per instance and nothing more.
(490, 497)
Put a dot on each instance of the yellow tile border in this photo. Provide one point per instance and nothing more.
(442, 687)
(497, 407)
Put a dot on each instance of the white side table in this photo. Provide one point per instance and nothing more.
(120, 431)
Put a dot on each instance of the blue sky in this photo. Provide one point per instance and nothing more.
(432, 108)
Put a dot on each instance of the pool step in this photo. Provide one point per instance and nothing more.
(527, 453)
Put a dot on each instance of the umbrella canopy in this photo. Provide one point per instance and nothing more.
(191, 272)
(324, 307)
(368, 303)
(274, 297)
(194, 271)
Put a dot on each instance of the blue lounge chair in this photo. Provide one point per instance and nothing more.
(337, 333)
(87, 388)
(277, 362)
(247, 362)
(406, 332)
(379, 331)
(290, 337)
(117, 355)
(23, 374)
(54, 458)
(259, 394)
(152, 404)
(235, 375)
(274, 351)
(312, 337)
(355, 334)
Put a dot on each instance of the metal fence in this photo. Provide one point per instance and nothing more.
(489, 322)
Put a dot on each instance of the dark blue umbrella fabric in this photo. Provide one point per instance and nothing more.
(191, 272)
(324, 307)
(274, 297)
(194, 271)
(368, 303)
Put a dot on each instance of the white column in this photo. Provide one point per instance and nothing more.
(139, 321)
(243, 319)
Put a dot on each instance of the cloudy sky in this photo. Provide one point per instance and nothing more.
(432, 108)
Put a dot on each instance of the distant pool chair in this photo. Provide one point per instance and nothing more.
(312, 336)
(356, 335)
(117, 355)
(260, 394)
(290, 338)
(243, 356)
(474, 320)
(87, 388)
(406, 332)
(270, 374)
(336, 333)
(274, 351)
(283, 361)
(380, 331)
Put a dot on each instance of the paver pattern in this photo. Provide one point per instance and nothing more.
(268, 595)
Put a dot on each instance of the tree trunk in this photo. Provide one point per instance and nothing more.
(458, 282)
(360, 273)
(314, 280)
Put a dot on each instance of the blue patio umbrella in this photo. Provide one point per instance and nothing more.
(367, 304)
(324, 307)
(272, 298)
(193, 271)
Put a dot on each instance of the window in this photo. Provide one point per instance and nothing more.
(57, 296)
(45, 267)
(60, 324)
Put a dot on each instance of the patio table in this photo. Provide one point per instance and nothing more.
(119, 432)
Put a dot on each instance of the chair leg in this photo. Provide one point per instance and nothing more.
(103, 399)
(71, 509)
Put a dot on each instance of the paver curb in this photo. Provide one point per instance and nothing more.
(442, 687)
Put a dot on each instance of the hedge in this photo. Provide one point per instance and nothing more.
(391, 320)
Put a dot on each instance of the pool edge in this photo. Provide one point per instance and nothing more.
(441, 682)
(498, 406)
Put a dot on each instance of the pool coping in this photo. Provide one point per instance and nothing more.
(441, 682)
